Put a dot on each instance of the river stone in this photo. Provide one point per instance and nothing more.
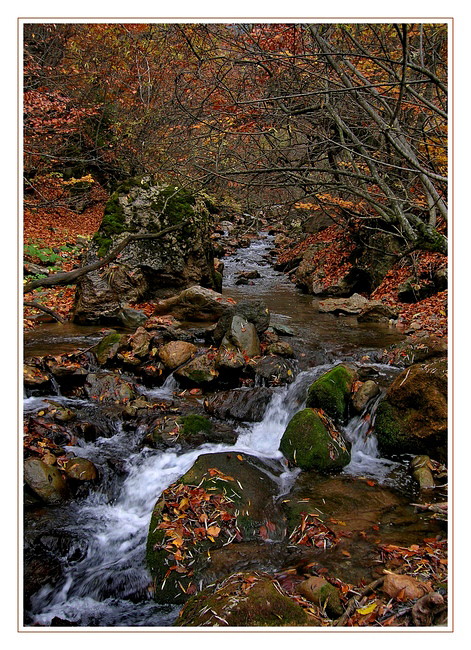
(281, 349)
(377, 312)
(199, 371)
(253, 311)
(81, 469)
(244, 404)
(420, 466)
(107, 348)
(243, 336)
(243, 600)
(247, 494)
(175, 353)
(107, 387)
(60, 412)
(364, 394)
(34, 377)
(139, 342)
(274, 370)
(229, 357)
(312, 442)
(413, 416)
(46, 481)
(322, 593)
(331, 392)
(349, 306)
(195, 304)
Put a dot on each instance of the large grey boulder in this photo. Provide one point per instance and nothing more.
(148, 267)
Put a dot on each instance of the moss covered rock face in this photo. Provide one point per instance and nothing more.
(243, 600)
(413, 416)
(181, 258)
(222, 498)
(311, 442)
(331, 392)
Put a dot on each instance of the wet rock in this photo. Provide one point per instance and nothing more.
(45, 481)
(377, 312)
(139, 342)
(420, 466)
(243, 336)
(35, 378)
(311, 441)
(39, 570)
(349, 306)
(364, 394)
(131, 318)
(229, 357)
(274, 370)
(413, 416)
(66, 370)
(243, 600)
(107, 387)
(107, 348)
(322, 593)
(237, 487)
(81, 469)
(253, 311)
(175, 353)
(281, 349)
(283, 330)
(195, 304)
(247, 275)
(244, 404)
(60, 412)
(331, 392)
(200, 371)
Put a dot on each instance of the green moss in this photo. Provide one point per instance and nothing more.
(308, 444)
(389, 429)
(103, 349)
(331, 392)
(194, 424)
(263, 605)
(113, 224)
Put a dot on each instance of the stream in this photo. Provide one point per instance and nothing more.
(101, 537)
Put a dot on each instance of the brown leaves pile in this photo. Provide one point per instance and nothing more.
(312, 532)
(191, 514)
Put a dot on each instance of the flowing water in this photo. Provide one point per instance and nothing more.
(105, 581)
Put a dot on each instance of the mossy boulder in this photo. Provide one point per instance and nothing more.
(311, 441)
(331, 392)
(322, 593)
(413, 416)
(107, 348)
(149, 267)
(243, 600)
(222, 498)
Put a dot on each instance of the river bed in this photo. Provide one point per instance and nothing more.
(104, 579)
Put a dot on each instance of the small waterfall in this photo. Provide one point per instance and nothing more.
(165, 391)
(366, 459)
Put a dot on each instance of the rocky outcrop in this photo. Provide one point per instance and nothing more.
(148, 267)
(413, 416)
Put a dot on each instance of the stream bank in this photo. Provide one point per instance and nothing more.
(97, 574)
